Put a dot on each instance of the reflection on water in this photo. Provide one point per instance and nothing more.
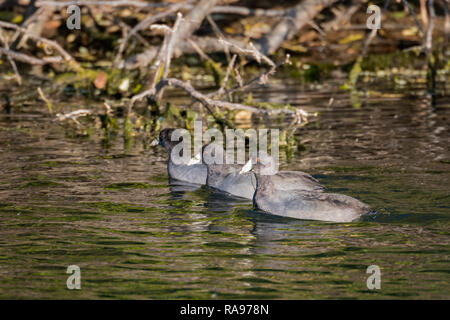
(112, 211)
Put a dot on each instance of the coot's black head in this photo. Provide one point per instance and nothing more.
(165, 139)
(264, 164)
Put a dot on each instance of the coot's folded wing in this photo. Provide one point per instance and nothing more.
(296, 180)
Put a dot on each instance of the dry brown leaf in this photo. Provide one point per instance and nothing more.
(100, 80)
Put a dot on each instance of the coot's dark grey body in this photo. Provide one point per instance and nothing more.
(298, 195)
(295, 180)
(285, 180)
(306, 204)
(226, 177)
(195, 173)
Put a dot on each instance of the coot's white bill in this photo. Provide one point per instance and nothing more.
(247, 167)
(154, 143)
(195, 160)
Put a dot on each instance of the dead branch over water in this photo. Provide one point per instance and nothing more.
(152, 34)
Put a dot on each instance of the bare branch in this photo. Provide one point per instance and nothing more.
(199, 51)
(171, 82)
(261, 78)
(294, 19)
(445, 5)
(29, 59)
(428, 39)
(44, 98)
(164, 29)
(73, 115)
(238, 77)
(11, 60)
(171, 43)
(71, 61)
(411, 11)
(203, 99)
(341, 16)
(142, 25)
(219, 35)
(252, 52)
(225, 79)
(238, 10)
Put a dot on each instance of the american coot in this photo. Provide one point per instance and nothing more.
(193, 171)
(274, 196)
(227, 177)
(235, 180)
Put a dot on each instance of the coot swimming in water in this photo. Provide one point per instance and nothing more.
(227, 177)
(193, 171)
(274, 196)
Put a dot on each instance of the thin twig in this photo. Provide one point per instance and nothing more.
(165, 55)
(127, 28)
(428, 39)
(73, 115)
(411, 11)
(44, 98)
(316, 27)
(199, 51)
(445, 5)
(142, 25)
(237, 76)
(11, 60)
(29, 59)
(171, 43)
(219, 35)
(261, 78)
(227, 75)
(252, 52)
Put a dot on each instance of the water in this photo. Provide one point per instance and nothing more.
(110, 209)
